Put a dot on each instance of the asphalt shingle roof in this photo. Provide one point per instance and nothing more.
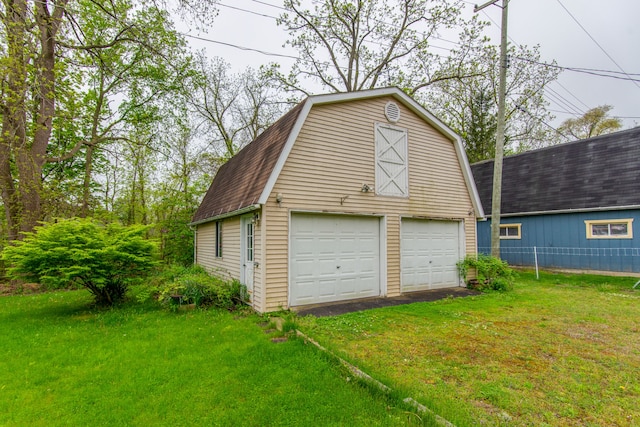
(600, 172)
(240, 182)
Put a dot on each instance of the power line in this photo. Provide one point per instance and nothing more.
(235, 46)
(518, 44)
(266, 53)
(316, 2)
(598, 44)
(570, 93)
(613, 117)
(561, 111)
(264, 15)
(269, 4)
(539, 119)
(282, 8)
(575, 69)
(562, 101)
(592, 71)
(557, 98)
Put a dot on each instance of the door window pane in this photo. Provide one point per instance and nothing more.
(249, 241)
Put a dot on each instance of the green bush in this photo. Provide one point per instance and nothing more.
(104, 259)
(491, 273)
(177, 239)
(194, 285)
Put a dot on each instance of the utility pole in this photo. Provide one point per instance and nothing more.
(497, 163)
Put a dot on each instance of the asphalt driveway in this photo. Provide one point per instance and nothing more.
(333, 309)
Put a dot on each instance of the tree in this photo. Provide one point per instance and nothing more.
(106, 260)
(190, 169)
(54, 52)
(593, 123)
(231, 110)
(27, 104)
(478, 126)
(353, 45)
(469, 105)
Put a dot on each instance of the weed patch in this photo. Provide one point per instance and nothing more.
(560, 351)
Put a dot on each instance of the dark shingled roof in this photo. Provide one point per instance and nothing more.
(239, 182)
(600, 172)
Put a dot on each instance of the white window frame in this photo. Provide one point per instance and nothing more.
(511, 237)
(380, 182)
(626, 221)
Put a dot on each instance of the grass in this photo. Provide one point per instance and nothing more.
(66, 364)
(561, 351)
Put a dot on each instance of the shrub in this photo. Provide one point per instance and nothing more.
(177, 239)
(104, 259)
(194, 285)
(491, 273)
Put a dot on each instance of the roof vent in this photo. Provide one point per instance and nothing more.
(392, 111)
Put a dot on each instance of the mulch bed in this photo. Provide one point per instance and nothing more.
(7, 289)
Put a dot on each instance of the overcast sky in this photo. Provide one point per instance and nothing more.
(612, 24)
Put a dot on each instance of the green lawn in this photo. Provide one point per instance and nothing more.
(64, 364)
(562, 351)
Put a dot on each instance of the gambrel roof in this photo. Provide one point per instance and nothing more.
(246, 180)
(599, 173)
(240, 182)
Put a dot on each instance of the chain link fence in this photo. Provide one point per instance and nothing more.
(607, 259)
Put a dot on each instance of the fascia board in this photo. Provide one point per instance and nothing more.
(570, 211)
(244, 210)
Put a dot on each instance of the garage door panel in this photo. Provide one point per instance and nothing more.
(348, 287)
(305, 290)
(429, 253)
(326, 288)
(368, 265)
(340, 255)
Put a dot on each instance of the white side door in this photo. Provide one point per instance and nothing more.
(247, 251)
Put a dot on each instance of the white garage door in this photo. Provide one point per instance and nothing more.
(333, 258)
(429, 253)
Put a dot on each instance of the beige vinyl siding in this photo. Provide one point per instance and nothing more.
(206, 245)
(276, 265)
(331, 159)
(229, 263)
(393, 255)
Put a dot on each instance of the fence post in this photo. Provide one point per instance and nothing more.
(535, 255)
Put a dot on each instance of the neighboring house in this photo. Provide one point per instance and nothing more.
(347, 196)
(574, 205)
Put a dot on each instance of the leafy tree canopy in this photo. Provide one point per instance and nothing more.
(347, 45)
(594, 122)
(469, 105)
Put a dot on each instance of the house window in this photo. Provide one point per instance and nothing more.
(219, 239)
(510, 231)
(249, 241)
(610, 229)
(392, 170)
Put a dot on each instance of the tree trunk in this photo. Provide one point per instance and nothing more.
(86, 185)
(14, 114)
(21, 160)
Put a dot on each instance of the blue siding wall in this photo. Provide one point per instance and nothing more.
(561, 242)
